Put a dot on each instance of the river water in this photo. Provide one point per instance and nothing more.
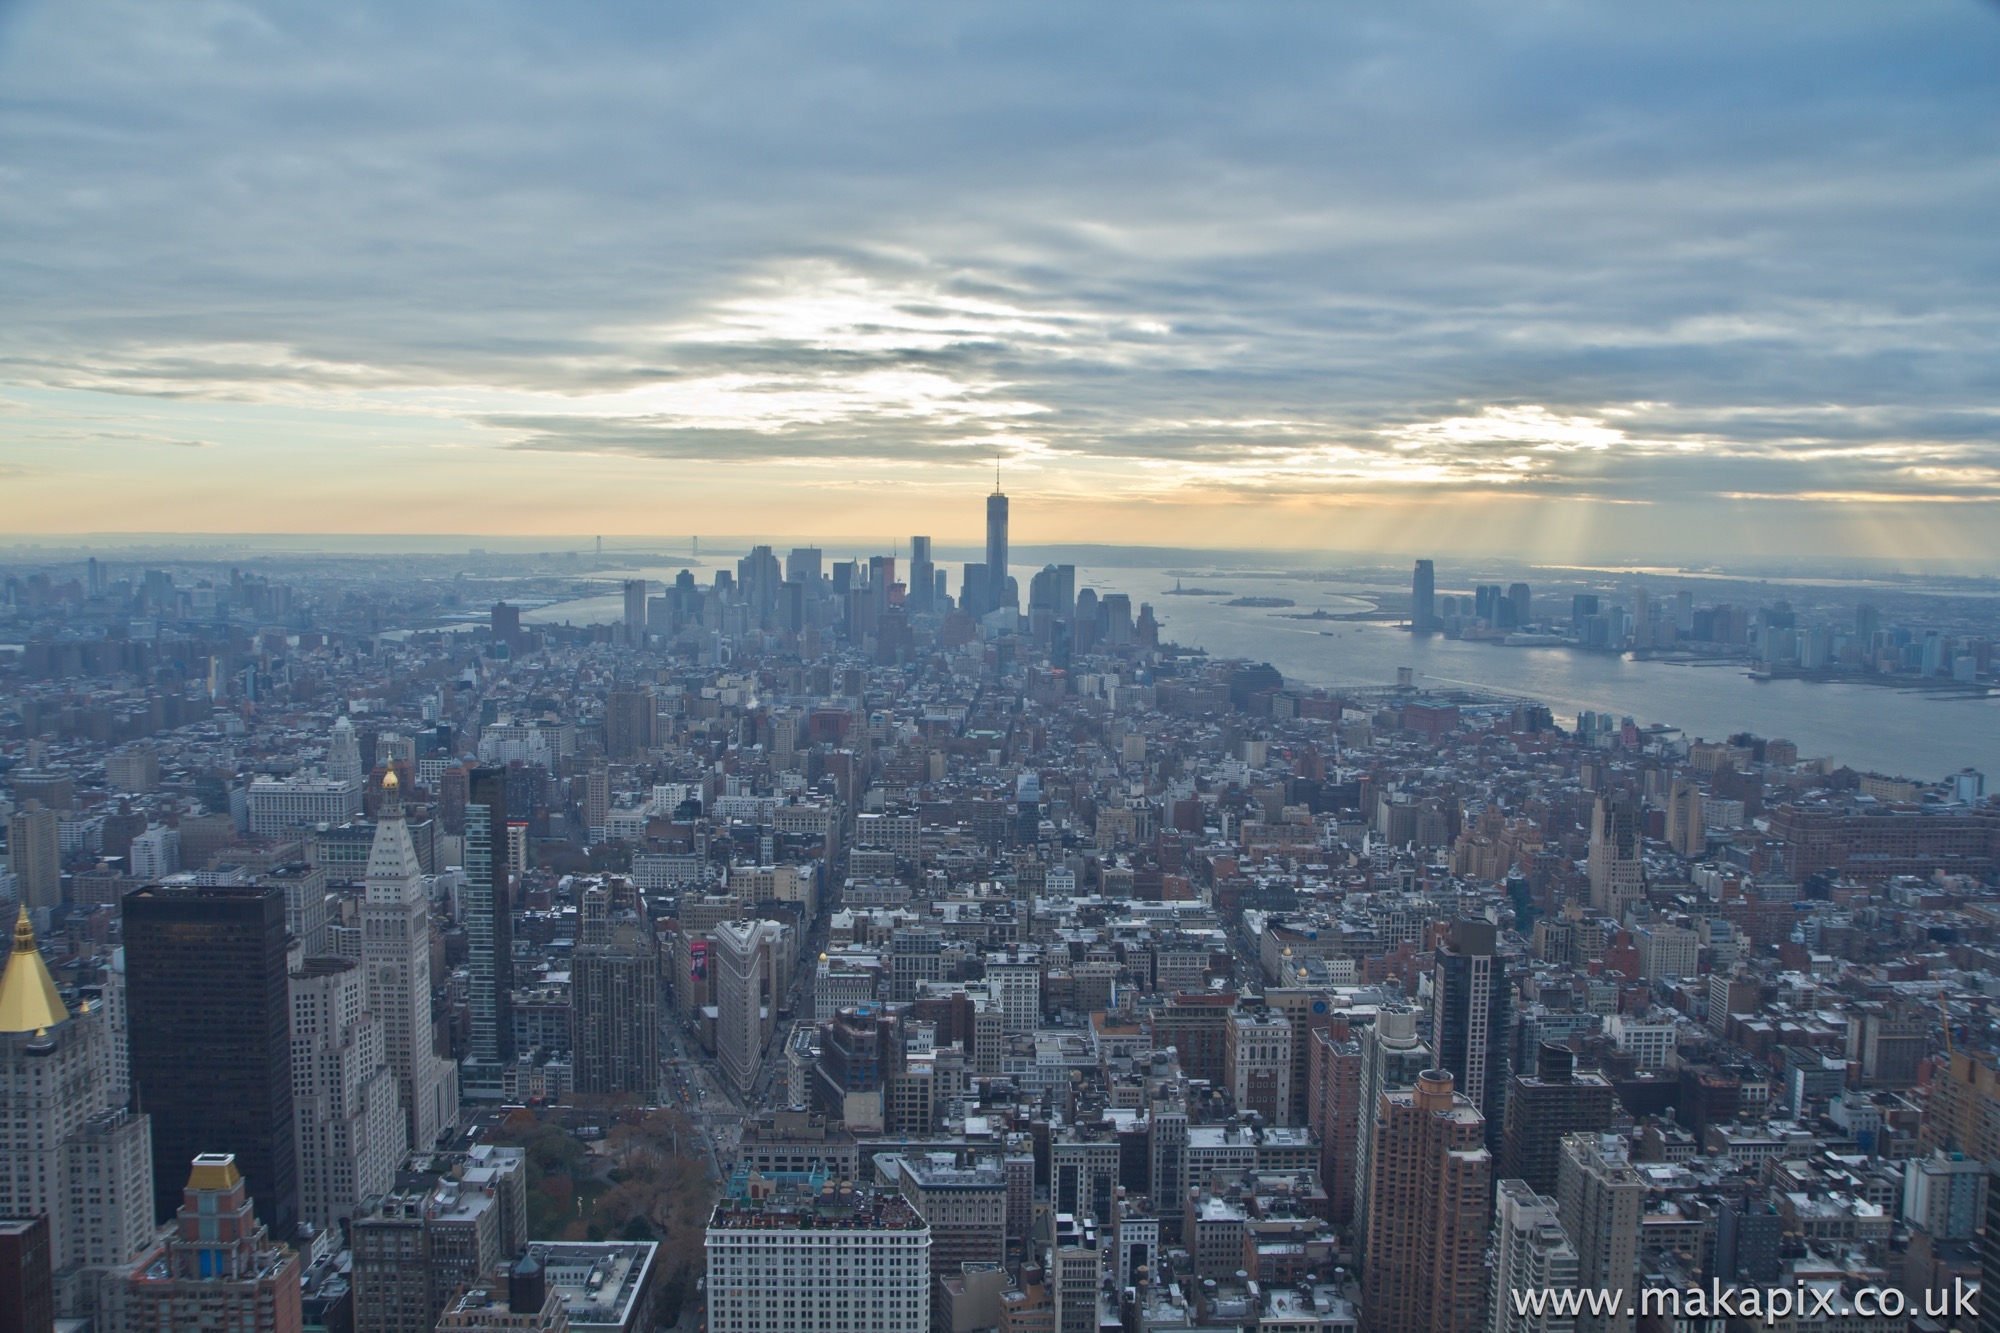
(1904, 732)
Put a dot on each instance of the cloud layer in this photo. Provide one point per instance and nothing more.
(1188, 254)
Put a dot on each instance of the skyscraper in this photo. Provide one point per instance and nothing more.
(1600, 1198)
(396, 947)
(1428, 1212)
(1470, 1001)
(923, 575)
(350, 1122)
(343, 752)
(615, 1000)
(740, 954)
(71, 1151)
(1617, 876)
(628, 723)
(489, 935)
(209, 1001)
(1423, 596)
(996, 552)
(635, 613)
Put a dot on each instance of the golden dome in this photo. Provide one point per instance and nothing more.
(28, 998)
(389, 779)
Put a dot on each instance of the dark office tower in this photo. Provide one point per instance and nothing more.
(923, 575)
(940, 590)
(628, 723)
(27, 1276)
(1522, 600)
(972, 592)
(1469, 1009)
(633, 631)
(996, 551)
(210, 1024)
(802, 565)
(1582, 606)
(843, 577)
(1423, 596)
(1542, 1107)
(489, 936)
(615, 1003)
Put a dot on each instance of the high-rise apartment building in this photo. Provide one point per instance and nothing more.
(1393, 1058)
(1333, 1111)
(1687, 831)
(1423, 596)
(857, 1263)
(1617, 876)
(209, 1003)
(1543, 1108)
(396, 956)
(221, 1269)
(489, 936)
(350, 1120)
(1600, 1198)
(1471, 998)
(1531, 1253)
(34, 855)
(615, 1006)
(743, 965)
(1428, 1225)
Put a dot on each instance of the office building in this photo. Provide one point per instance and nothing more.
(1471, 999)
(922, 593)
(396, 955)
(301, 801)
(1393, 1058)
(1687, 828)
(628, 723)
(485, 901)
(34, 855)
(996, 554)
(208, 998)
(1423, 596)
(221, 1269)
(1600, 1199)
(1333, 1111)
(1530, 1253)
(1076, 1274)
(1428, 1223)
(840, 1260)
(741, 956)
(1945, 1194)
(1257, 1064)
(1014, 980)
(349, 1117)
(633, 627)
(343, 752)
(1617, 876)
(615, 1003)
(965, 1208)
(1545, 1107)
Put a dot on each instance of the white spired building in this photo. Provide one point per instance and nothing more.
(396, 956)
(350, 1119)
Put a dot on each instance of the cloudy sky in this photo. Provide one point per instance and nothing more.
(1585, 281)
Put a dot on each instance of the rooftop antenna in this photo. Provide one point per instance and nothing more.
(996, 474)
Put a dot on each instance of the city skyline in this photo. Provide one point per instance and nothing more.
(1531, 283)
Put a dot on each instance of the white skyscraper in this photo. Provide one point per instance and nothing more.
(782, 1264)
(350, 1119)
(396, 952)
(740, 953)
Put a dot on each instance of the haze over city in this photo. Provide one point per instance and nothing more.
(1556, 280)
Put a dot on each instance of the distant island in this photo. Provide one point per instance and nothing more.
(1178, 591)
(1262, 601)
